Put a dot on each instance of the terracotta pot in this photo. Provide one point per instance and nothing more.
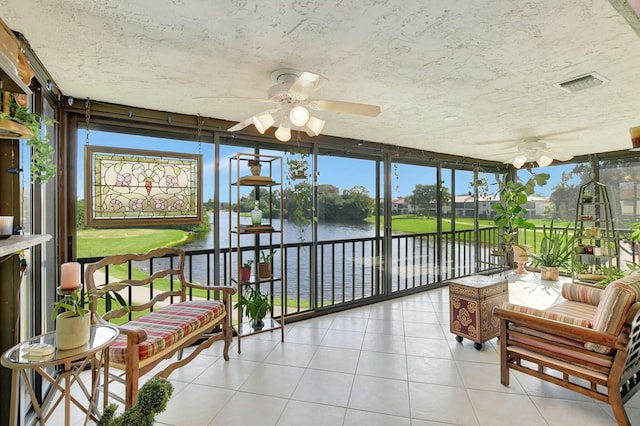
(72, 331)
(521, 257)
(264, 270)
(549, 273)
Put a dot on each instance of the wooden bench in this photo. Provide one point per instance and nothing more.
(589, 343)
(169, 323)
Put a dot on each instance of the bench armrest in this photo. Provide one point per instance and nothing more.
(134, 335)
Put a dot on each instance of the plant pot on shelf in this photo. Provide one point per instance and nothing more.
(245, 274)
(549, 273)
(264, 270)
(72, 331)
(255, 167)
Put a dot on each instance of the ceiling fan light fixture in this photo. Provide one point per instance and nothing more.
(263, 122)
(519, 161)
(299, 116)
(544, 160)
(283, 134)
(314, 126)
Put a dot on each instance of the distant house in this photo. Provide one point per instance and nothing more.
(464, 205)
(401, 206)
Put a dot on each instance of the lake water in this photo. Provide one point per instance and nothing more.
(327, 231)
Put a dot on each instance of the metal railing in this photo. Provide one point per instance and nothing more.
(351, 271)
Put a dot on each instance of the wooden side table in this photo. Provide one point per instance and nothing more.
(70, 364)
(471, 301)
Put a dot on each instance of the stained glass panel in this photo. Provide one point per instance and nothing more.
(141, 187)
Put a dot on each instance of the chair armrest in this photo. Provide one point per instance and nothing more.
(230, 290)
(559, 328)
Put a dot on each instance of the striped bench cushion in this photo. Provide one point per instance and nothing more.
(166, 326)
(574, 309)
(612, 310)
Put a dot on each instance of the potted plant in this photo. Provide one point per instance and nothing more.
(42, 166)
(255, 167)
(245, 271)
(255, 305)
(70, 314)
(152, 399)
(264, 267)
(587, 196)
(556, 248)
(511, 213)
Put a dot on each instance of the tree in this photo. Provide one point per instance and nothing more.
(356, 203)
(425, 197)
(563, 197)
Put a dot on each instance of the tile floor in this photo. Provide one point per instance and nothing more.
(392, 363)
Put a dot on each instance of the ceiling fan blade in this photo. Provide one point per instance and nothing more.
(346, 107)
(306, 85)
(560, 156)
(241, 125)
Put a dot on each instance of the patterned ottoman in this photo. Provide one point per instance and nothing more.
(472, 300)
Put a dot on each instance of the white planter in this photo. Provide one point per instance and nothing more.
(72, 331)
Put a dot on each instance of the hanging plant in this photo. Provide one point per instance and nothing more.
(299, 192)
(42, 166)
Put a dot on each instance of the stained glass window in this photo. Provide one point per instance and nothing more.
(141, 187)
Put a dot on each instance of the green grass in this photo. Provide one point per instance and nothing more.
(107, 242)
(416, 224)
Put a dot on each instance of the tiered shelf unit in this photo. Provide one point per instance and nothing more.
(595, 234)
(247, 241)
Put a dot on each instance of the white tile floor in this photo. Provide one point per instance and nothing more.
(392, 363)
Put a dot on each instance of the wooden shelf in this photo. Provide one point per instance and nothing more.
(15, 243)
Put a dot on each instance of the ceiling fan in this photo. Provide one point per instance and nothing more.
(291, 96)
(540, 149)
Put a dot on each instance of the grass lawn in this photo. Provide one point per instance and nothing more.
(107, 242)
(416, 224)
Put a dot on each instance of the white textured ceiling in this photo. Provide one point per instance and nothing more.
(491, 63)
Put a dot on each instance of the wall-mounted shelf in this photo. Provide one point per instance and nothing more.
(16, 243)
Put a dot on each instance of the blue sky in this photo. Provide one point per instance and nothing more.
(344, 173)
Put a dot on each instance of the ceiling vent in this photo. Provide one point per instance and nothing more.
(582, 82)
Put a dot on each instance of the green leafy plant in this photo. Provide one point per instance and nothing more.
(247, 264)
(254, 304)
(510, 210)
(614, 273)
(78, 301)
(152, 399)
(265, 257)
(42, 166)
(556, 247)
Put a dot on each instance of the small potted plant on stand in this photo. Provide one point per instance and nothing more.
(70, 313)
(555, 252)
(255, 167)
(255, 305)
(264, 267)
(245, 271)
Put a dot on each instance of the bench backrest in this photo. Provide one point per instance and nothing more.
(145, 290)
